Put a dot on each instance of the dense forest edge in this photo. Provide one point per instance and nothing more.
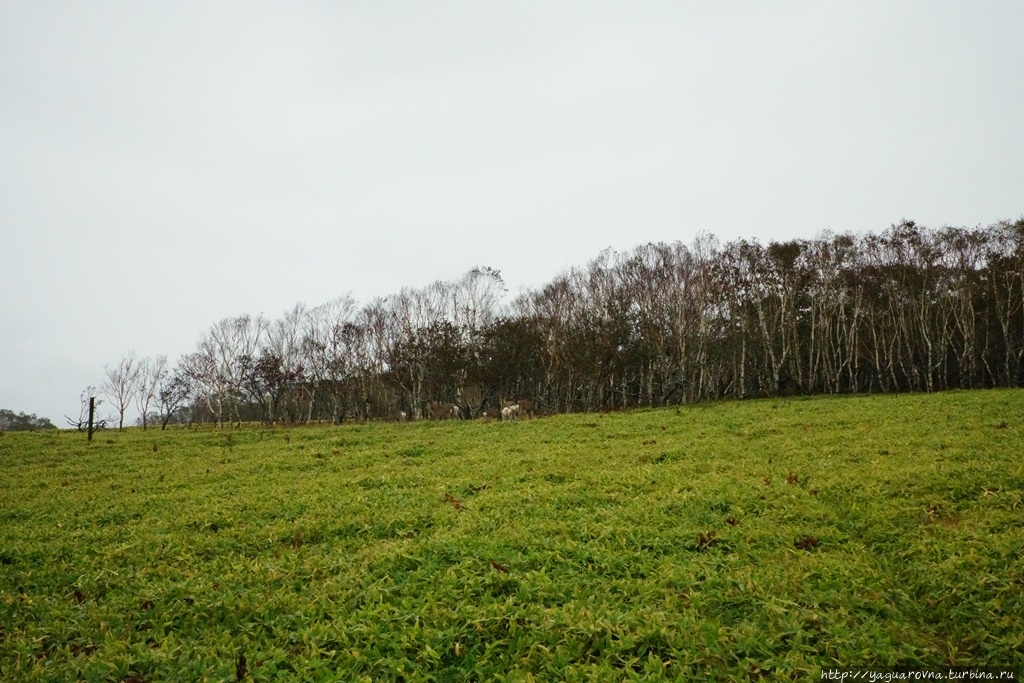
(908, 309)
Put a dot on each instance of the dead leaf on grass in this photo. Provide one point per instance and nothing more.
(75, 649)
(706, 540)
(499, 567)
(806, 543)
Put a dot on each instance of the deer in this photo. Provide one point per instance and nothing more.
(526, 407)
(443, 411)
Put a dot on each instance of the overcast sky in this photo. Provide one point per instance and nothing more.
(165, 165)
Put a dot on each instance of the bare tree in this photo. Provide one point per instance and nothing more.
(82, 423)
(120, 384)
(476, 297)
(151, 372)
(327, 349)
(282, 365)
(220, 362)
(174, 390)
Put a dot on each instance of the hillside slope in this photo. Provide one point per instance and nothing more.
(710, 542)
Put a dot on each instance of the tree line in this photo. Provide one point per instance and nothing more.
(906, 309)
(22, 422)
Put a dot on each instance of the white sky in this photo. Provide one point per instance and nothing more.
(164, 165)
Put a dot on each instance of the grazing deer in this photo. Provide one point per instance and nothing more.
(402, 416)
(509, 412)
(526, 407)
(443, 411)
(491, 414)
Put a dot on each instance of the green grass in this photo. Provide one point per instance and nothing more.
(340, 553)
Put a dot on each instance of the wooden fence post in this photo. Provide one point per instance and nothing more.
(92, 409)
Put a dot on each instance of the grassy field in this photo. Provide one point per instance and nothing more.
(729, 541)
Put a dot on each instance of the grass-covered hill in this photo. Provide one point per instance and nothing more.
(724, 541)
